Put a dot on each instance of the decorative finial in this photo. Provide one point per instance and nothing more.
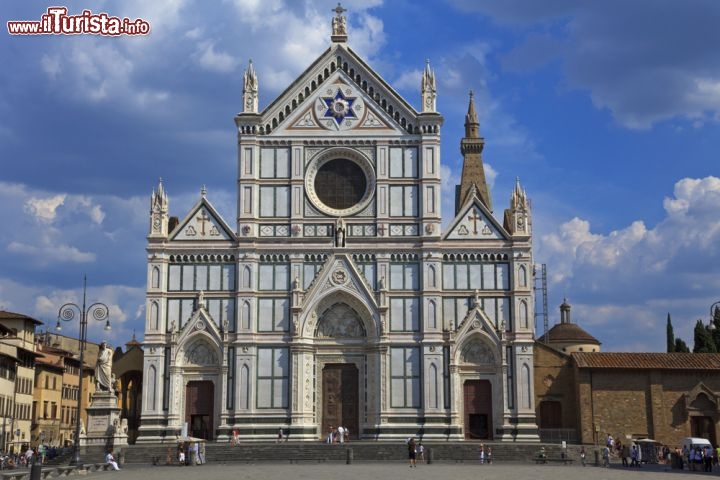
(339, 25)
(203, 191)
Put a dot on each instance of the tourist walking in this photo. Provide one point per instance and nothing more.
(411, 452)
(582, 455)
(606, 456)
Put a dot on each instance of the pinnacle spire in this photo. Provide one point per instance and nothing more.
(472, 181)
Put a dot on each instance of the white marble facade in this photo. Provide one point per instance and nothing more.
(338, 258)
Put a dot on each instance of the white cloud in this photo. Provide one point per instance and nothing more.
(44, 209)
(46, 253)
(642, 272)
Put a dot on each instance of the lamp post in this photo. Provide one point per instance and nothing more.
(713, 307)
(68, 312)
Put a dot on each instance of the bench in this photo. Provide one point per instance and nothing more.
(46, 473)
(546, 459)
(66, 470)
(20, 475)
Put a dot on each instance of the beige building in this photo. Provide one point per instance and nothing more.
(582, 394)
(47, 394)
(20, 335)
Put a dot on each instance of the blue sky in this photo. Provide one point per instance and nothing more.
(607, 111)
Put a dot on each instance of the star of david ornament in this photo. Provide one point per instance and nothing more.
(339, 107)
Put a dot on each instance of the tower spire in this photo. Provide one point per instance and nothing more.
(159, 211)
(428, 91)
(473, 172)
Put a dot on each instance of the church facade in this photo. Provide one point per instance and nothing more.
(335, 296)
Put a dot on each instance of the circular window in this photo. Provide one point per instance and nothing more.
(340, 181)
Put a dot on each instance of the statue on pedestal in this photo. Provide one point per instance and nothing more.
(103, 369)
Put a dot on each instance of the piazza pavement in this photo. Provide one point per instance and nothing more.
(394, 471)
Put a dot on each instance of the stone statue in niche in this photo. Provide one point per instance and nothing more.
(340, 233)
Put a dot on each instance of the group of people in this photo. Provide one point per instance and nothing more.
(27, 456)
(338, 435)
(188, 453)
(484, 454)
(701, 459)
(416, 452)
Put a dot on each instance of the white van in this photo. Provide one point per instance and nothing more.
(688, 443)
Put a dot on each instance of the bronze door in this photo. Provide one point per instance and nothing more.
(340, 398)
(199, 414)
(478, 409)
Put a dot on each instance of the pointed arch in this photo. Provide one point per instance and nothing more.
(155, 316)
(523, 314)
(432, 314)
(245, 314)
(433, 388)
(152, 388)
(155, 277)
(244, 385)
(525, 390)
(432, 276)
(246, 278)
(522, 276)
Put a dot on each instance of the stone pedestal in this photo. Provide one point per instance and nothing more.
(105, 428)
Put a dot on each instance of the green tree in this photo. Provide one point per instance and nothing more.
(670, 336)
(703, 339)
(681, 346)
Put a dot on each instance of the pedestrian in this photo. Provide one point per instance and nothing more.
(489, 455)
(420, 453)
(341, 434)
(235, 437)
(606, 456)
(411, 452)
(181, 455)
(280, 435)
(110, 460)
(481, 454)
(582, 455)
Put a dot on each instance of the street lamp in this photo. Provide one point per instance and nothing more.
(68, 312)
(713, 307)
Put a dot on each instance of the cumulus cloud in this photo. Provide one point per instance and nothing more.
(665, 266)
(44, 209)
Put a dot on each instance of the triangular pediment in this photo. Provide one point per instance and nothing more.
(475, 222)
(203, 223)
(339, 281)
(339, 92)
(200, 339)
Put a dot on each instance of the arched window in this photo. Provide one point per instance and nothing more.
(523, 314)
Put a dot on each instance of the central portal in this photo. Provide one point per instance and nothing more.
(199, 411)
(340, 398)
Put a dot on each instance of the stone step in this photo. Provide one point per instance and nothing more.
(319, 452)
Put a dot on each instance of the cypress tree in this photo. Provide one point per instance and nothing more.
(703, 339)
(670, 336)
(681, 346)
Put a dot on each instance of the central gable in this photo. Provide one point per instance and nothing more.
(339, 93)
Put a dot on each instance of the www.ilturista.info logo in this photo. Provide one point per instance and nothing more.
(57, 22)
